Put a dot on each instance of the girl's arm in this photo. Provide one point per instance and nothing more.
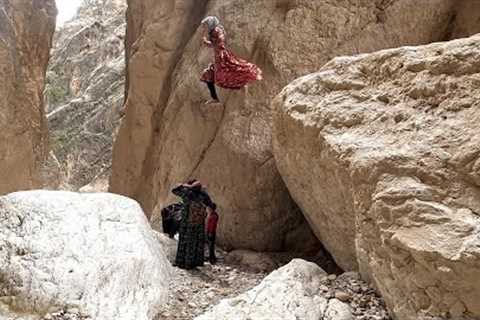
(207, 42)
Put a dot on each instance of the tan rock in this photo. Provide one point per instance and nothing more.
(342, 296)
(26, 30)
(169, 135)
(382, 151)
(466, 20)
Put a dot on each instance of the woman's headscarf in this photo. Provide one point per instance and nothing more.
(212, 22)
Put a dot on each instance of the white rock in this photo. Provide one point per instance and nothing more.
(168, 245)
(92, 252)
(338, 310)
(290, 292)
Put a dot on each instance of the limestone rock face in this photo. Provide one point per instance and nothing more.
(382, 153)
(26, 30)
(169, 135)
(466, 20)
(290, 292)
(94, 255)
(85, 92)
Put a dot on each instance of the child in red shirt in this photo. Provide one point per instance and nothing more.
(212, 221)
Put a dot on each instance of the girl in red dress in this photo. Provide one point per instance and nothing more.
(228, 71)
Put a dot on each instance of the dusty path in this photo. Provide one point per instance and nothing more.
(192, 292)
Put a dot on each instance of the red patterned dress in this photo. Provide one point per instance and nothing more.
(228, 71)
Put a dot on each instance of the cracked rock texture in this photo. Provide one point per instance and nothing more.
(85, 92)
(26, 30)
(169, 134)
(91, 255)
(291, 292)
(382, 153)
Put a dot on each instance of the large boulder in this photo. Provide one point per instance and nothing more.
(26, 30)
(93, 255)
(291, 292)
(169, 135)
(382, 153)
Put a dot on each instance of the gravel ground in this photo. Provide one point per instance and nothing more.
(193, 291)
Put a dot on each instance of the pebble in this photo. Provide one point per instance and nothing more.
(332, 277)
(342, 296)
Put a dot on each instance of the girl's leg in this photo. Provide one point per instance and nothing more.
(213, 92)
(211, 248)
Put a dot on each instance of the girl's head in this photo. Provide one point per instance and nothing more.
(210, 23)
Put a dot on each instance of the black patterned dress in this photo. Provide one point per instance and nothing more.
(191, 242)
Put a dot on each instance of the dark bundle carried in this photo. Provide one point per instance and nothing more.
(171, 218)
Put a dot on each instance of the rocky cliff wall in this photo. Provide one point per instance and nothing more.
(85, 92)
(26, 30)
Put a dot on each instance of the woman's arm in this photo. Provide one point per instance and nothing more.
(207, 202)
(180, 191)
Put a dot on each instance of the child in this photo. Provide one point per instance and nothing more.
(212, 221)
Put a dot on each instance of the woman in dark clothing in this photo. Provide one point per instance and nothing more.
(191, 242)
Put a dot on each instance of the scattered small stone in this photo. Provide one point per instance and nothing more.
(194, 292)
(332, 277)
(342, 296)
